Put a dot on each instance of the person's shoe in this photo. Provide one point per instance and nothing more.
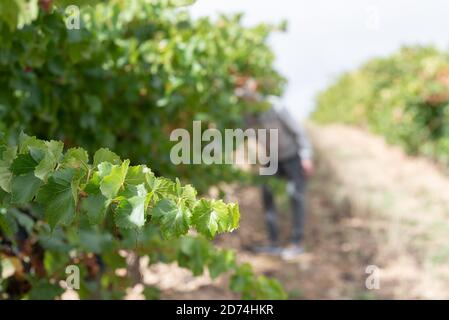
(267, 249)
(292, 252)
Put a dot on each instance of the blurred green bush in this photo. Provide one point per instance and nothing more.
(404, 97)
(132, 73)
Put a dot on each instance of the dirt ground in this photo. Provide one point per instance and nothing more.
(368, 205)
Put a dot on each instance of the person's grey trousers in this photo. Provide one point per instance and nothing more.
(292, 171)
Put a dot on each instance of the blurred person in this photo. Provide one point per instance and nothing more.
(294, 165)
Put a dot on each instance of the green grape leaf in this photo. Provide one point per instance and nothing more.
(221, 262)
(104, 169)
(93, 185)
(205, 218)
(24, 188)
(188, 195)
(23, 164)
(51, 157)
(212, 217)
(95, 207)
(234, 216)
(105, 155)
(57, 198)
(173, 220)
(76, 158)
(76, 182)
(24, 183)
(26, 142)
(137, 175)
(132, 206)
(114, 180)
(6, 159)
(159, 188)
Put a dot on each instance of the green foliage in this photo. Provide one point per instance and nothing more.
(132, 193)
(212, 217)
(404, 97)
(79, 208)
(135, 71)
(251, 287)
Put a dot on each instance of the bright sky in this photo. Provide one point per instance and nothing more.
(327, 37)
